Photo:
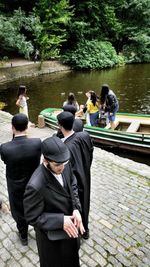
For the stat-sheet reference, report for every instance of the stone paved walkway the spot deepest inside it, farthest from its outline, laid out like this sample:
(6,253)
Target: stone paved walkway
(119,215)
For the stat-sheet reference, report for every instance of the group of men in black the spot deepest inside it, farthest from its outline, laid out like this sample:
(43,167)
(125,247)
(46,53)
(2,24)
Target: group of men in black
(52,192)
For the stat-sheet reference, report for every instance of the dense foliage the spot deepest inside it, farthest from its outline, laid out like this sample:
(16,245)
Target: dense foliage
(53,17)
(85,34)
(12,37)
(93,55)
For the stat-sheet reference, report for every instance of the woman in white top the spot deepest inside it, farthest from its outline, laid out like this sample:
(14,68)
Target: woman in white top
(22,100)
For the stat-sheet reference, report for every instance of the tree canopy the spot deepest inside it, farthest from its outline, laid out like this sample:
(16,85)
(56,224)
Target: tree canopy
(82,33)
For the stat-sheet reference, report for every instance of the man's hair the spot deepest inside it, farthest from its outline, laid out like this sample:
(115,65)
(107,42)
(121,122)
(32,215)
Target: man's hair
(20,122)
(66,120)
(70,108)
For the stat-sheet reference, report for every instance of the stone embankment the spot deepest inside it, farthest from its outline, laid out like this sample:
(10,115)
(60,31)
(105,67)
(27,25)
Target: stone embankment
(119,213)
(19,68)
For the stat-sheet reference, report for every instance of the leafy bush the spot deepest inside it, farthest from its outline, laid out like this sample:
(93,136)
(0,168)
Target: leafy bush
(139,50)
(92,55)
(11,36)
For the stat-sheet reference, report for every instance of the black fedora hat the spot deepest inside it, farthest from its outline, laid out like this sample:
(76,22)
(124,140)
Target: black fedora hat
(54,149)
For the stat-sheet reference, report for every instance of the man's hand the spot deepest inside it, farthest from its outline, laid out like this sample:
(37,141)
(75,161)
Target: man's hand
(78,221)
(69,226)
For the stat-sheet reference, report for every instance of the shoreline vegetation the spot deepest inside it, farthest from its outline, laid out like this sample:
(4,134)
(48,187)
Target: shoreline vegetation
(17,68)
(83,34)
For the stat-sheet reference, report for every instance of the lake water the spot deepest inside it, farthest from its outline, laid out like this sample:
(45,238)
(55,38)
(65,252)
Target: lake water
(131,83)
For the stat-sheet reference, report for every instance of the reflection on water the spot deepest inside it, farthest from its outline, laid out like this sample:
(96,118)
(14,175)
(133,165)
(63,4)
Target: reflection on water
(131,84)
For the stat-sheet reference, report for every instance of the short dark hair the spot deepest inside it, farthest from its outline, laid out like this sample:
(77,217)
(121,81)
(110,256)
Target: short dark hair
(66,120)
(20,122)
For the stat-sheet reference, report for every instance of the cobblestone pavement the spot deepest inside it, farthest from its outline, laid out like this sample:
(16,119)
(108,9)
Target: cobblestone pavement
(119,215)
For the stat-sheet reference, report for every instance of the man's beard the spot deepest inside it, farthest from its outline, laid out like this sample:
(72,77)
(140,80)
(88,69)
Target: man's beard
(49,167)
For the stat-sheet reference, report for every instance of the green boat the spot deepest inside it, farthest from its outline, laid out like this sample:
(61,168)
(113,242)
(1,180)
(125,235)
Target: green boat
(132,131)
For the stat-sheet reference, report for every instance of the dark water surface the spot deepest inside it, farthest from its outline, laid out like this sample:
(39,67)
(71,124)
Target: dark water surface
(131,83)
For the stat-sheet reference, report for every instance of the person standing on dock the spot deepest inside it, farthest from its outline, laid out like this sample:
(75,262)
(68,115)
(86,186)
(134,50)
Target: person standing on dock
(81,150)
(22,100)
(21,156)
(52,206)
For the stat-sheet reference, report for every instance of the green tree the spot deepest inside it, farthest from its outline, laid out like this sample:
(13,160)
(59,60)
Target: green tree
(94,20)
(55,26)
(124,23)
(51,31)
(12,37)
(135,35)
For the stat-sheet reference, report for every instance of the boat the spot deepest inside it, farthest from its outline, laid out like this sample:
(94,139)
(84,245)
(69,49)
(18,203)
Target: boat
(132,131)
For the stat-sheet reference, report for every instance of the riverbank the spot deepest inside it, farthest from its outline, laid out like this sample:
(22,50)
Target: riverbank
(18,68)
(119,212)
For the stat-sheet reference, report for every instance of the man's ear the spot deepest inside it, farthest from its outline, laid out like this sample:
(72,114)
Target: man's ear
(60,127)
(13,129)
(45,160)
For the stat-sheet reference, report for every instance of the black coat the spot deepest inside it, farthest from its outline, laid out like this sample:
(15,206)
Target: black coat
(22,157)
(78,125)
(45,204)
(111,102)
(81,149)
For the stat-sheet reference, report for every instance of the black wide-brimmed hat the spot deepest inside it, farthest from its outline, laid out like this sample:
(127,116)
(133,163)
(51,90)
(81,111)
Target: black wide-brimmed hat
(54,149)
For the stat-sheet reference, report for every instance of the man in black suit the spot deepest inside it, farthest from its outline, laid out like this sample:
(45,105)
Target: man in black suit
(52,206)
(81,150)
(22,157)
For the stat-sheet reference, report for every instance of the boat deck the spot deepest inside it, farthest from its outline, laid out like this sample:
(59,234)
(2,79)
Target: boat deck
(133,124)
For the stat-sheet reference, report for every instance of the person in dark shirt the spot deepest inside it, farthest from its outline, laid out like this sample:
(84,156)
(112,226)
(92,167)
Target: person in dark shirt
(52,206)
(81,150)
(109,104)
(21,156)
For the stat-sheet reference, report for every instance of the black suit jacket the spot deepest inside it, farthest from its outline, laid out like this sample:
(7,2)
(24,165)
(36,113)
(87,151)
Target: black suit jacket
(45,204)
(22,157)
(46,201)
(81,150)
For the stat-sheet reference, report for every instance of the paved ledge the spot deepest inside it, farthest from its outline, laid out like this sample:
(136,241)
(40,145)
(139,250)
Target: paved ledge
(19,68)
(127,164)
(119,214)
